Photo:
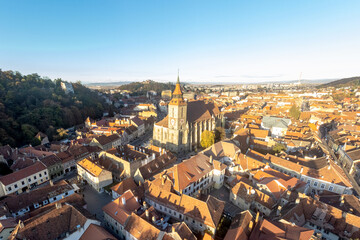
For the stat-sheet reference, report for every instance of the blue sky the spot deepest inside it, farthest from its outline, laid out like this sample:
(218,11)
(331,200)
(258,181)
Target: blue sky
(217,41)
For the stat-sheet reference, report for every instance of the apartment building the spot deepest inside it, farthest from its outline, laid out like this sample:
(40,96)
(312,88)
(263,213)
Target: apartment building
(23,179)
(94,174)
(247,197)
(130,158)
(198,215)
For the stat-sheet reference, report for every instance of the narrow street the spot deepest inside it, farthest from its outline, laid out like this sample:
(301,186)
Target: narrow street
(143,140)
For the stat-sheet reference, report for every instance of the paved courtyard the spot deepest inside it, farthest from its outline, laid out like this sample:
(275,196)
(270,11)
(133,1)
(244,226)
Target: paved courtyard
(95,201)
(224,194)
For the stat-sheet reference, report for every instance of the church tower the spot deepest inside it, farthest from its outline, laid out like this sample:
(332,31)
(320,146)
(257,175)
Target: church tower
(177,110)
(177,121)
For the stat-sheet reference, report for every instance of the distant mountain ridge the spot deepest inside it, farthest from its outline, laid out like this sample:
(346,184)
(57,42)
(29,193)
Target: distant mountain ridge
(140,88)
(107,83)
(344,82)
(303,81)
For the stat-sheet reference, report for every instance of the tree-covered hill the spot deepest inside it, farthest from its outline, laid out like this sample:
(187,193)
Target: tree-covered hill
(30,103)
(140,88)
(345,82)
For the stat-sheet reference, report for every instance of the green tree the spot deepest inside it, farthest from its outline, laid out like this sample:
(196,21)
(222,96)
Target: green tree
(35,142)
(30,103)
(279,148)
(207,139)
(29,132)
(4,169)
(219,134)
(295,112)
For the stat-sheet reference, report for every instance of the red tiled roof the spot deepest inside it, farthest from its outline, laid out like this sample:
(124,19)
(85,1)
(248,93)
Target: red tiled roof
(119,211)
(95,232)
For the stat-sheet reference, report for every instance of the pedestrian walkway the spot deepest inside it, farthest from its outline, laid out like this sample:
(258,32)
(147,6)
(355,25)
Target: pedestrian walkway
(96,201)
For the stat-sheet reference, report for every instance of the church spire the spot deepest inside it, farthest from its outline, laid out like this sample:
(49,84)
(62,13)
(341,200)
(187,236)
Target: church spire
(177,96)
(178,79)
(177,92)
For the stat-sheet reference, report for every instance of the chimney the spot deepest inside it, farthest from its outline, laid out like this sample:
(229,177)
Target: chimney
(288,194)
(342,202)
(153,219)
(251,225)
(58,205)
(51,183)
(297,201)
(257,217)
(162,179)
(136,199)
(21,224)
(302,169)
(145,205)
(123,200)
(211,159)
(147,213)
(278,210)
(344,214)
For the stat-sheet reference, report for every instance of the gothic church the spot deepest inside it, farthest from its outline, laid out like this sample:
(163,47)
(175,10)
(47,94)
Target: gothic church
(180,130)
